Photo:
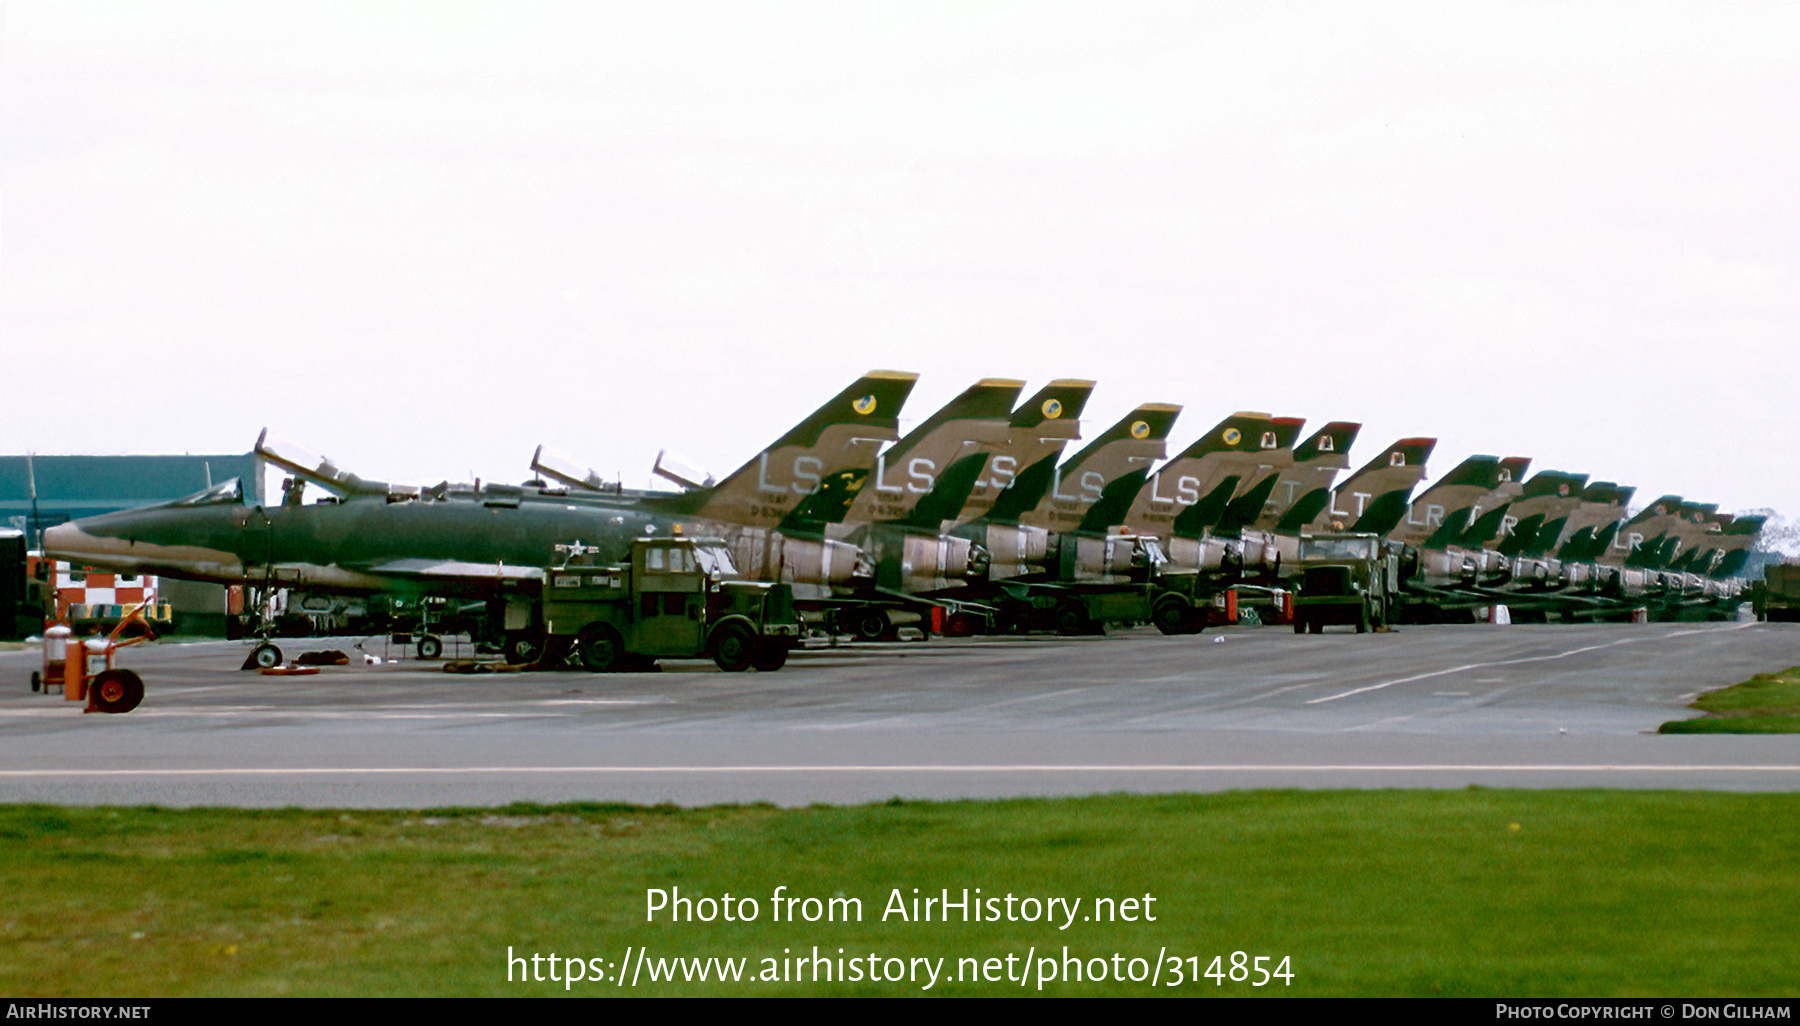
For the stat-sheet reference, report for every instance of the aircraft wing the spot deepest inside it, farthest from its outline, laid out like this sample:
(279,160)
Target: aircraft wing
(427,569)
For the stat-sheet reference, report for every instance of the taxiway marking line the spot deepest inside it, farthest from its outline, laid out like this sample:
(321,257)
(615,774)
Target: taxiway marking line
(1038,768)
(1514,662)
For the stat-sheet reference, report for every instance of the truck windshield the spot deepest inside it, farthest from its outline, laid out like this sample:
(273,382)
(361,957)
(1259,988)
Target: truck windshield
(1338,548)
(715,560)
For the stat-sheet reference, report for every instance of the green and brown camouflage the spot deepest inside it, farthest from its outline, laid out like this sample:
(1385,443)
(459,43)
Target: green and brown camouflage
(1251,499)
(1374,499)
(921,482)
(1126,449)
(1037,433)
(1693,533)
(1738,538)
(1303,489)
(1705,556)
(981,434)
(1593,524)
(463,541)
(1538,513)
(1639,544)
(1016,531)
(1442,510)
(448,541)
(840,438)
(1197,484)
(1488,515)
(1452,556)
(974,423)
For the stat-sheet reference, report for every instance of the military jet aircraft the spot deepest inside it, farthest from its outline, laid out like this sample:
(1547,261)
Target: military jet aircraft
(473,542)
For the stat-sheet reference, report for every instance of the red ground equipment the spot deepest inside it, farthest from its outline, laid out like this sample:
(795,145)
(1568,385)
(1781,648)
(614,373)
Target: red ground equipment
(67,659)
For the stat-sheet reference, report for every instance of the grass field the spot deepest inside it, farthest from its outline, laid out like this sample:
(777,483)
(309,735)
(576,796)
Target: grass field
(1768,703)
(1477,892)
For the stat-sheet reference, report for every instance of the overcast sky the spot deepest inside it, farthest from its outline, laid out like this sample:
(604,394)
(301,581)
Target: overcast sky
(424,238)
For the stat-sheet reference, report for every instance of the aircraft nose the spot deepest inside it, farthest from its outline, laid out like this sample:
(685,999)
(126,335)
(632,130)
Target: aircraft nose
(72,544)
(63,541)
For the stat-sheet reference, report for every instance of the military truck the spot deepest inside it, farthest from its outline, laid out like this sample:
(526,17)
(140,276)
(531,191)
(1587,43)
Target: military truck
(1345,578)
(1779,596)
(676,598)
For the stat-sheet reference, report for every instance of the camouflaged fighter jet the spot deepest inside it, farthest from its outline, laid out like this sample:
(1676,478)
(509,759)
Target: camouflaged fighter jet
(887,518)
(890,515)
(1373,500)
(1038,431)
(1593,524)
(919,561)
(1255,497)
(975,442)
(458,541)
(1737,537)
(1518,560)
(1188,495)
(1052,518)
(1439,570)
(1303,488)
(1670,557)
(1191,490)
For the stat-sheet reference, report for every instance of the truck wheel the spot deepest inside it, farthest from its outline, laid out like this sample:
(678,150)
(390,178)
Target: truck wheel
(1315,627)
(117,691)
(732,645)
(871,625)
(599,648)
(769,655)
(1299,626)
(429,646)
(37,682)
(266,656)
(524,649)
(1362,620)
(1072,618)
(1171,616)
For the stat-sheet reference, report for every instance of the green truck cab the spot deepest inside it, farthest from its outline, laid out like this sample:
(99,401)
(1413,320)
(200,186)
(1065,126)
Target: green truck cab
(1345,578)
(1778,597)
(677,599)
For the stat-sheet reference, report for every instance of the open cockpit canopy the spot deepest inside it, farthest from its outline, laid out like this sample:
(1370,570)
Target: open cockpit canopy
(225,493)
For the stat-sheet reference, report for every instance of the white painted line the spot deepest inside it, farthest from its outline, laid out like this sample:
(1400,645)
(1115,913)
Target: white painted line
(1529,659)
(605,701)
(1504,662)
(1030,768)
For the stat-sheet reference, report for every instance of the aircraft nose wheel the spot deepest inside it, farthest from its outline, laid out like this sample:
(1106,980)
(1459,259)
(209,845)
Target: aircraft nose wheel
(263,657)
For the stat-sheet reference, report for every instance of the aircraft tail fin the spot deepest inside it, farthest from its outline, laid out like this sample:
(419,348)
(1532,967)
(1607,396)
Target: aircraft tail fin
(841,437)
(1055,409)
(973,423)
(1374,498)
(1335,437)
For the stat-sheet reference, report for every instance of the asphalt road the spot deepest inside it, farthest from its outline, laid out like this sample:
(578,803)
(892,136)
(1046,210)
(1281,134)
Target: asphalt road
(1519,706)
